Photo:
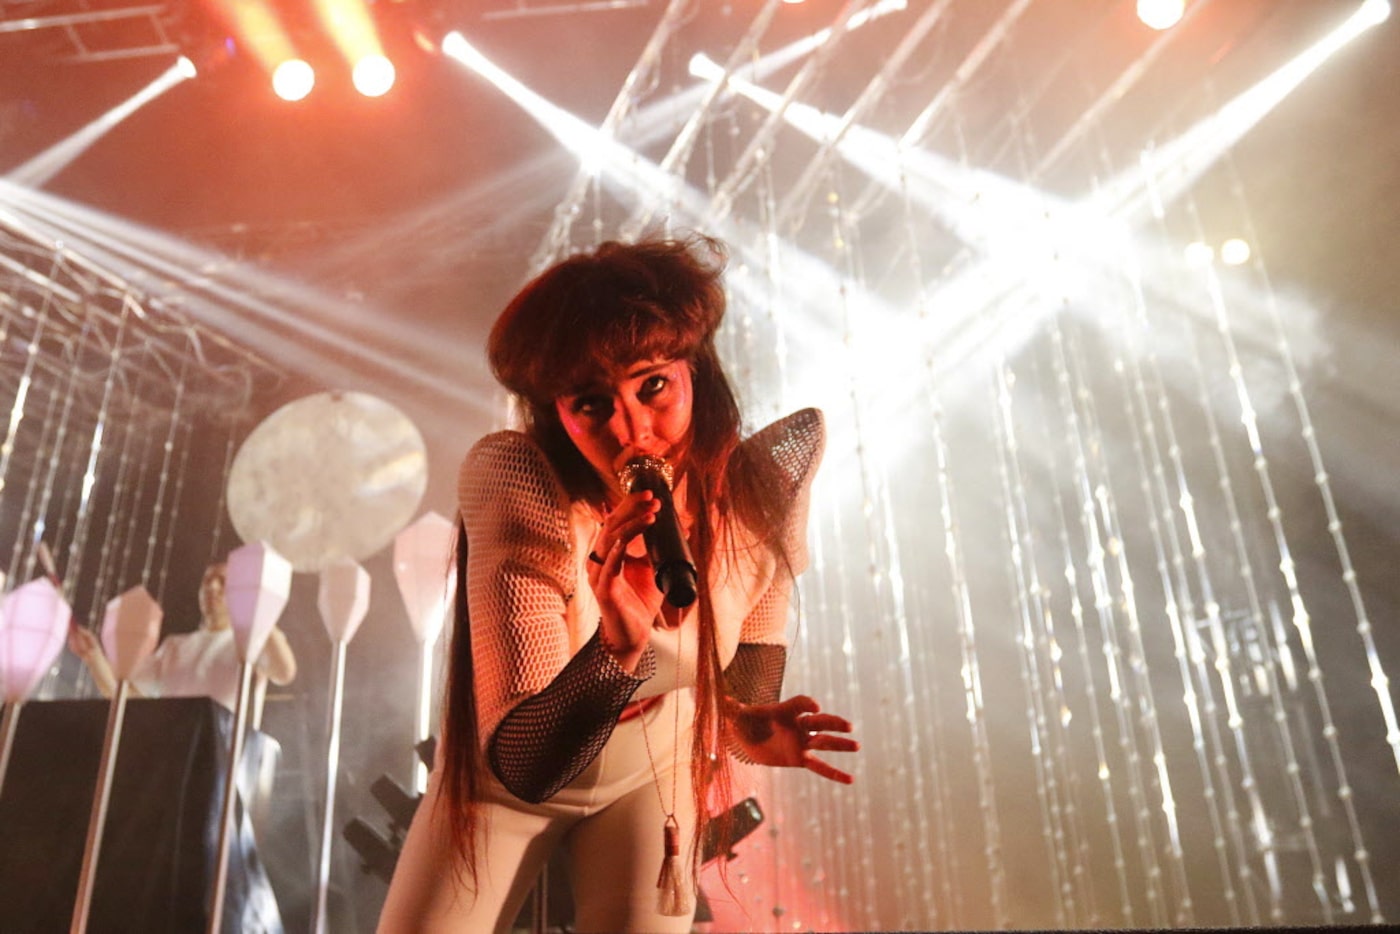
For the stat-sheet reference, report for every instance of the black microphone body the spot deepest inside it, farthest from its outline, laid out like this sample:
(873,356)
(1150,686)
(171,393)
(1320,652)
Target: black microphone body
(666,546)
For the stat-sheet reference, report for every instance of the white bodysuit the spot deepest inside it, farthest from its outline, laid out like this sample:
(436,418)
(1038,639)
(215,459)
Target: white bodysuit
(563,769)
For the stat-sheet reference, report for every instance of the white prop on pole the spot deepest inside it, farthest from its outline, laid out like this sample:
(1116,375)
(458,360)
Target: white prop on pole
(130,629)
(258,582)
(36,625)
(34,622)
(343,600)
(426,577)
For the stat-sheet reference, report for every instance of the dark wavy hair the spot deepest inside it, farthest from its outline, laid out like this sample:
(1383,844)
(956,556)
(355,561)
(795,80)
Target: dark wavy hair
(592,312)
(658,299)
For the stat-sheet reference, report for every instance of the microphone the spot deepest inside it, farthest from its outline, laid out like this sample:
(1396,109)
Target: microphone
(666,546)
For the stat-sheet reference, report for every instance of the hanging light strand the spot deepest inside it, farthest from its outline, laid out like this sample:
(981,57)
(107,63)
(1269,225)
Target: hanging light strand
(1380,681)
(1146,703)
(946,860)
(1097,732)
(82,513)
(1119,689)
(1302,620)
(1025,598)
(123,489)
(1179,606)
(179,438)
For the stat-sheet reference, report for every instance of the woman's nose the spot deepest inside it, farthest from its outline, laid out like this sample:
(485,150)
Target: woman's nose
(633,424)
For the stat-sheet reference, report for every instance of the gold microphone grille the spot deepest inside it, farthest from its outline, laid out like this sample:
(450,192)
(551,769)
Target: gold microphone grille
(645,463)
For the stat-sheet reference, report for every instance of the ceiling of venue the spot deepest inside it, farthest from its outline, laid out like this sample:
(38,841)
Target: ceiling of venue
(927,205)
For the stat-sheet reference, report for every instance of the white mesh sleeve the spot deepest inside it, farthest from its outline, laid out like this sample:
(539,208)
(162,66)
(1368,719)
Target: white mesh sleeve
(519,573)
(543,716)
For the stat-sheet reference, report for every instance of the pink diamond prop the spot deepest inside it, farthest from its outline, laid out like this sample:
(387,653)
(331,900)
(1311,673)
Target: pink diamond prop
(343,598)
(130,629)
(425,574)
(33,627)
(258,582)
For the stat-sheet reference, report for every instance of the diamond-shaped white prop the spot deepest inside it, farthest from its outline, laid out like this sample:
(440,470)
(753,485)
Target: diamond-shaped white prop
(343,598)
(424,571)
(258,582)
(130,629)
(33,627)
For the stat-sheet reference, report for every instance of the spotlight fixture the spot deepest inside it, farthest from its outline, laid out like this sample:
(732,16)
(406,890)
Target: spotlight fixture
(1235,252)
(293,79)
(1198,255)
(378,855)
(373,75)
(1376,11)
(398,803)
(1160,14)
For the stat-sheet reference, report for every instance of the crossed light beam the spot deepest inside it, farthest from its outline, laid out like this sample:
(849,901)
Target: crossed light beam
(1034,253)
(622,169)
(1004,222)
(1028,235)
(1022,234)
(38,170)
(508,198)
(336,341)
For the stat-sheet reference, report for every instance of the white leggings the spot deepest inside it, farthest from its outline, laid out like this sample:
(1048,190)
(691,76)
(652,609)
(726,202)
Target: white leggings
(609,819)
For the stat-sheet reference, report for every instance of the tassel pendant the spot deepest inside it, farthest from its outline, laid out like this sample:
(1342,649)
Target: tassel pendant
(673,896)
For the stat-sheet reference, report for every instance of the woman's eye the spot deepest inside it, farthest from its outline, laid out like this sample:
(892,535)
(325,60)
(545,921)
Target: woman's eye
(592,406)
(654,384)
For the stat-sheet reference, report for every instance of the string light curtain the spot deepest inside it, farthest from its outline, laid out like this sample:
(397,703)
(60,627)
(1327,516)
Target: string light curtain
(1079,571)
(111,400)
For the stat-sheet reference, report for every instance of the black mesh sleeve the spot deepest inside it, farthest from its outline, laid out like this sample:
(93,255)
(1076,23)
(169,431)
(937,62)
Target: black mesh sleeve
(755,676)
(549,738)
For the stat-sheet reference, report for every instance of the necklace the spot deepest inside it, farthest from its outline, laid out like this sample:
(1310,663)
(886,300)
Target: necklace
(673,897)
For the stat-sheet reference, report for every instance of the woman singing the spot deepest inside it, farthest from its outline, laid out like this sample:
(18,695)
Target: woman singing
(583,707)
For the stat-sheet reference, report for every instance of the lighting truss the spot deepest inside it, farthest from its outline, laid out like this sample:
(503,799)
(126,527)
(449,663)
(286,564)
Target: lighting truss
(522,8)
(67,321)
(81,31)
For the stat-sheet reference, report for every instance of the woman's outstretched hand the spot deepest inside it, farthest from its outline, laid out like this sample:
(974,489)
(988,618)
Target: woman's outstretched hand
(788,734)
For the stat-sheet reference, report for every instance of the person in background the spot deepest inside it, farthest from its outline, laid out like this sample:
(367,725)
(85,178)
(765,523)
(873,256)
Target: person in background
(205,663)
(201,663)
(582,708)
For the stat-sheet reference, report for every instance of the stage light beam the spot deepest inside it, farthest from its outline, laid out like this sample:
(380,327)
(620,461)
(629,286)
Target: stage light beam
(257,27)
(1169,170)
(351,27)
(38,170)
(598,153)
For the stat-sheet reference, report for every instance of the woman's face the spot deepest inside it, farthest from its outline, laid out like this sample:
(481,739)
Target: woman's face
(641,408)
